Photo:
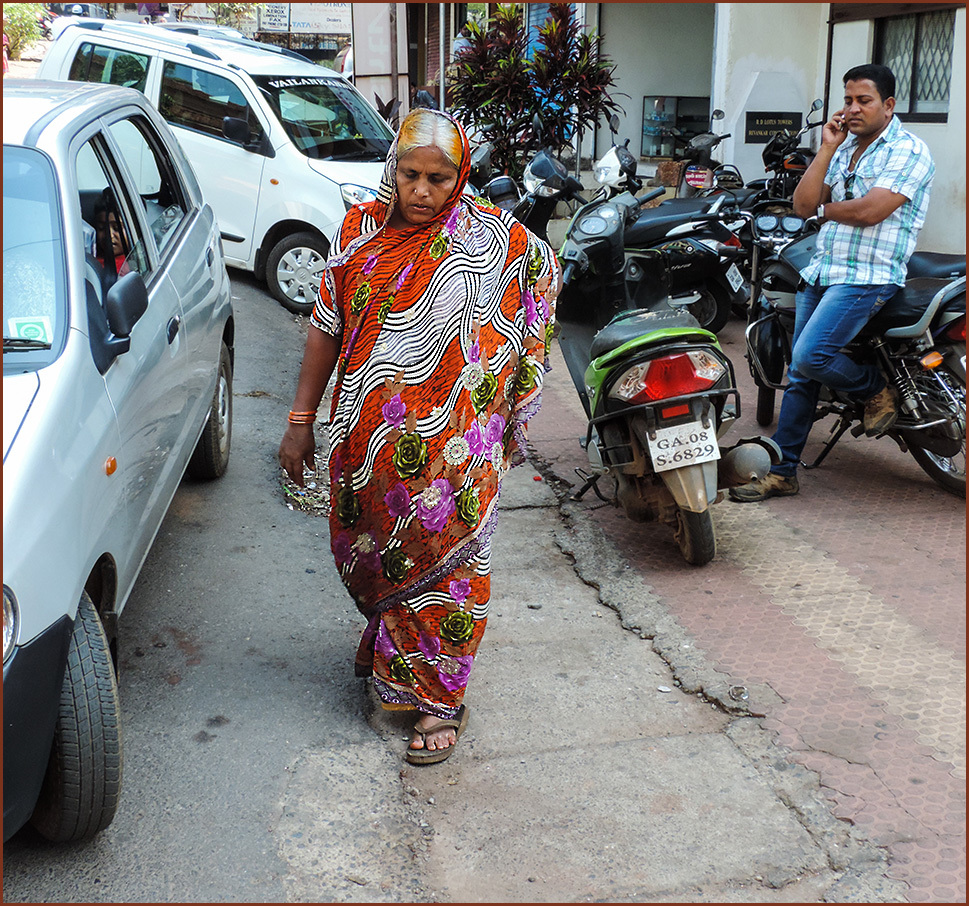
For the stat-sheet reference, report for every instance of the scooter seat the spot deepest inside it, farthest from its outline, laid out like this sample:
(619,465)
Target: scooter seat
(654,223)
(904,312)
(935,264)
(631,325)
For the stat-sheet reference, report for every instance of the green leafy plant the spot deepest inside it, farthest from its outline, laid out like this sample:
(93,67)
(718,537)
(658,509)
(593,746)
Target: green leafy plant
(21,27)
(233,14)
(497,90)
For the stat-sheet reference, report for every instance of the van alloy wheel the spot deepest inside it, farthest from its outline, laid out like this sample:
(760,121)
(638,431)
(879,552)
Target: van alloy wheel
(294,270)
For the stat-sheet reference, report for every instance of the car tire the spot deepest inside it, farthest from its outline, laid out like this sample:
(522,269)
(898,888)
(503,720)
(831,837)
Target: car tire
(294,270)
(211,455)
(81,789)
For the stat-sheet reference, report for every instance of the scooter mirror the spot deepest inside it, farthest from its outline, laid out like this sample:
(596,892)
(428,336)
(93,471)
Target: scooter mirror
(717,114)
(614,123)
(817,105)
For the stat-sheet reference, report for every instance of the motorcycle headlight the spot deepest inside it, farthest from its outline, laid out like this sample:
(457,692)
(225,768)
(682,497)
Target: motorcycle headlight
(353,194)
(535,186)
(10,617)
(607,175)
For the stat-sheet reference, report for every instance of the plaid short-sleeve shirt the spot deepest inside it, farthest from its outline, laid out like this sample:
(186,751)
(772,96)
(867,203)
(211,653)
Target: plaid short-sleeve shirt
(874,255)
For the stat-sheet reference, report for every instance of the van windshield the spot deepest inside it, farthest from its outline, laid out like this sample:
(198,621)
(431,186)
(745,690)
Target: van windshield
(326,118)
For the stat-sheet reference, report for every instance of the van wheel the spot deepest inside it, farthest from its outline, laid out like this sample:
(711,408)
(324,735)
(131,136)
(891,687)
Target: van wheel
(294,270)
(211,455)
(79,796)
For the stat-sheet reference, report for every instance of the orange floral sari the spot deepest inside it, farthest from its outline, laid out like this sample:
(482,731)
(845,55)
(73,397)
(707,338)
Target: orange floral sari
(444,328)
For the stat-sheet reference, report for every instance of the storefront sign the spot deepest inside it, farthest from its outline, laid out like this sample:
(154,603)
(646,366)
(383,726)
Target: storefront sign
(273,16)
(303,18)
(761,126)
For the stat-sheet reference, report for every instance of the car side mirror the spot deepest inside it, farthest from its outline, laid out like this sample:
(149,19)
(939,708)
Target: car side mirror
(125,303)
(235,129)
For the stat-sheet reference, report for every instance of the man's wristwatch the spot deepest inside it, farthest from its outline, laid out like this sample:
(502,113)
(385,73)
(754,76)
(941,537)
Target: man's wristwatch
(820,212)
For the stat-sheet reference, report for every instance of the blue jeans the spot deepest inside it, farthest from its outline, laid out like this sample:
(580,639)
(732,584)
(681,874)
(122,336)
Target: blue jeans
(826,319)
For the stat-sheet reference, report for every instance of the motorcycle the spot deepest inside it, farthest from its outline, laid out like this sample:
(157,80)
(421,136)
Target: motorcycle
(657,389)
(703,250)
(786,159)
(698,156)
(918,339)
(501,190)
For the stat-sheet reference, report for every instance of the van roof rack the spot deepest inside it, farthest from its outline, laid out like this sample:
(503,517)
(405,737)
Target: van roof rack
(167,37)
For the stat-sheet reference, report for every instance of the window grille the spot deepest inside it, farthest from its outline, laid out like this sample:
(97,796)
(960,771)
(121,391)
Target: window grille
(918,49)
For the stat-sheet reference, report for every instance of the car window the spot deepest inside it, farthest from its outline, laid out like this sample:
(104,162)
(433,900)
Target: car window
(156,180)
(34,265)
(112,237)
(96,63)
(198,99)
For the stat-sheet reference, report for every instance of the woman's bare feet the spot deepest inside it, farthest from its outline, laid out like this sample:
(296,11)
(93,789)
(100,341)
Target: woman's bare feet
(443,738)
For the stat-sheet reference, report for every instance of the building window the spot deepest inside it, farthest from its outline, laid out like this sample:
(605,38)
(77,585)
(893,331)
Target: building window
(918,49)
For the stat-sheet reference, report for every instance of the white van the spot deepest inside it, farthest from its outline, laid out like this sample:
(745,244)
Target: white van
(282,147)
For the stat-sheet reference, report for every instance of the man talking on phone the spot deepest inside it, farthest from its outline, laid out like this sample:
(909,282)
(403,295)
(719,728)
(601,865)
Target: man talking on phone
(869,188)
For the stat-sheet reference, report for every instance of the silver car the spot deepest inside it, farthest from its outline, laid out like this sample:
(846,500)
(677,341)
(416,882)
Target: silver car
(117,379)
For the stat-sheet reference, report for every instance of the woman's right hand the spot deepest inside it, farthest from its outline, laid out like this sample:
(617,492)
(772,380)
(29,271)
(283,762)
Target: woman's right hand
(297,447)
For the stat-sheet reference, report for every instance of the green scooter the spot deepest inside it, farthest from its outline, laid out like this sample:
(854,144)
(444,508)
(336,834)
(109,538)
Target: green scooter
(658,390)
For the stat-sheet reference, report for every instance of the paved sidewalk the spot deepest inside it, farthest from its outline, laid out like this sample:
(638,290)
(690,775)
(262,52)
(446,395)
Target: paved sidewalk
(587,772)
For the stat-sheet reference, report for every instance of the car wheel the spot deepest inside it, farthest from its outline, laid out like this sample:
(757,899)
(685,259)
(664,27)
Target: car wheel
(79,796)
(294,270)
(211,455)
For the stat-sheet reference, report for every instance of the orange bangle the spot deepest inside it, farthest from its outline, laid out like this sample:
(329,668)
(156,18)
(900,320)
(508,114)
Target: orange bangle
(302,418)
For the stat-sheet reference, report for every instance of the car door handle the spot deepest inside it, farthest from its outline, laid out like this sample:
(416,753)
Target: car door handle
(209,256)
(173,326)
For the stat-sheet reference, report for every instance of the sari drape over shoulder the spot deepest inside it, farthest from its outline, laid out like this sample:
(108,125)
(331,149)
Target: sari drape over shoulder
(445,330)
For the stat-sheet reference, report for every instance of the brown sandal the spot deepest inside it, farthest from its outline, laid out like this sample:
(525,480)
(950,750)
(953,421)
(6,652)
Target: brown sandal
(433,756)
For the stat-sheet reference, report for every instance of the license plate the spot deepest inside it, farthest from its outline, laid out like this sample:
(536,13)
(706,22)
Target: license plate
(734,277)
(682,445)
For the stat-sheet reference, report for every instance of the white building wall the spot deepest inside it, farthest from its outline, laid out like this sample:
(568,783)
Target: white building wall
(658,49)
(769,57)
(773,57)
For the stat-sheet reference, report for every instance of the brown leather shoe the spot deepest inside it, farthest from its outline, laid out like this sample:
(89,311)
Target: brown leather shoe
(881,411)
(771,485)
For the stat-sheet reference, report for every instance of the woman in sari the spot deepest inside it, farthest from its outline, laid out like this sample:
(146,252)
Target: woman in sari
(435,311)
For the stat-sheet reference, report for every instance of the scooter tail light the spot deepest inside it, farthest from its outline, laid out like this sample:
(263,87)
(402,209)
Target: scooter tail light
(667,377)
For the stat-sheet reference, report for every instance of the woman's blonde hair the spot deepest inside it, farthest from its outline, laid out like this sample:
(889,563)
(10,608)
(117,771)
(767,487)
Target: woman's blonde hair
(424,127)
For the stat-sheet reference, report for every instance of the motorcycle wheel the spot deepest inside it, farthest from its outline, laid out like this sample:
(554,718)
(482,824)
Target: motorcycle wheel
(947,472)
(695,537)
(713,308)
(765,406)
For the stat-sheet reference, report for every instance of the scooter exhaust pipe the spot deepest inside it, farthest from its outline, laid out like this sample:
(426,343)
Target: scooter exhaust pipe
(750,459)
